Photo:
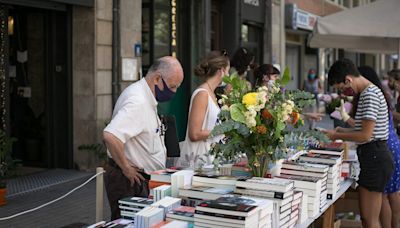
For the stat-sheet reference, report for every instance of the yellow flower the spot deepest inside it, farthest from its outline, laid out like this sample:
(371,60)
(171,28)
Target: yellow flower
(249,99)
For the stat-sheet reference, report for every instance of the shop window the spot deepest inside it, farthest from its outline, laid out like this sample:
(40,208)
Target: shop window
(156,31)
(252,39)
(216,27)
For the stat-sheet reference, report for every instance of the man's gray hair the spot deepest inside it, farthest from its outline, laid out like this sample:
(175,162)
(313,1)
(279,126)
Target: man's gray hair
(161,65)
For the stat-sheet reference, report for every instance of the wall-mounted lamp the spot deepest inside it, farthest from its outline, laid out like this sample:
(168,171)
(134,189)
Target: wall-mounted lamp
(10,25)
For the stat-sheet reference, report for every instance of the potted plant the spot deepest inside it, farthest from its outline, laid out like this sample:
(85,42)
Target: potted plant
(7,164)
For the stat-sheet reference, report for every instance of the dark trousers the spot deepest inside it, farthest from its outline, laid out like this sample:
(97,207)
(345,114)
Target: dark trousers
(118,187)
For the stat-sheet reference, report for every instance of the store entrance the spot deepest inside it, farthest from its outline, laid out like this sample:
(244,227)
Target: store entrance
(39,87)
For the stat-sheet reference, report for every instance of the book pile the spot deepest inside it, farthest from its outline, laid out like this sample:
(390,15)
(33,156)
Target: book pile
(129,206)
(312,187)
(214,180)
(161,192)
(203,192)
(159,178)
(234,211)
(149,217)
(182,213)
(173,224)
(279,191)
(333,158)
(168,204)
(179,180)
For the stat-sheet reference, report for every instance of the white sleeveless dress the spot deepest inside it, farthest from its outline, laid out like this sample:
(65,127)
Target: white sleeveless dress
(195,154)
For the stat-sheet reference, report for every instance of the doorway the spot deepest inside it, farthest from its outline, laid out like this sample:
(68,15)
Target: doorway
(40,86)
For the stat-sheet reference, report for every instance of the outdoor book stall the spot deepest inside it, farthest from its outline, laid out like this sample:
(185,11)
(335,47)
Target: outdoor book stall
(306,189)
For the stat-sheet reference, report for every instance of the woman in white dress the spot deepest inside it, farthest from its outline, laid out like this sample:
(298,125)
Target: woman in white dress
(203,111)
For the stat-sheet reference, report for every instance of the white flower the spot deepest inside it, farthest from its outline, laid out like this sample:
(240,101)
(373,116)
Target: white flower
(225,108)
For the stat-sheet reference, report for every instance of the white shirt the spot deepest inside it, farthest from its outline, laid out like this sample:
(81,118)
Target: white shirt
(135,122)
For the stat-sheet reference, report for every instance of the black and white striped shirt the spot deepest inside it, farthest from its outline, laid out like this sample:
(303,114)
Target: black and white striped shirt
(372,106)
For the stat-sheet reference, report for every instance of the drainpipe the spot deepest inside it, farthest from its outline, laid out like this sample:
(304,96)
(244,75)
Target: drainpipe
(115,51)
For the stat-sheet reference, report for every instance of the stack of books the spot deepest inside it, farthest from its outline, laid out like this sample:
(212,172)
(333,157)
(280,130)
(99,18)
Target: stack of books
(159,178)
(214,180)
(148,217)
(333,158)
(129,206)
(279,191)
(182,213)
(312,187)
(168,204)
(179,180)
(173,224)
(203,192)
(161,192)
(234,211)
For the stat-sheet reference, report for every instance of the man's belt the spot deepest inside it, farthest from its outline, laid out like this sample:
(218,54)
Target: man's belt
(112,163)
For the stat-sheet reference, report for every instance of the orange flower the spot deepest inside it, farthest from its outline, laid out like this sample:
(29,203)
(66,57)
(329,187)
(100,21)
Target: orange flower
(266,114)
(261,129)
(295,117)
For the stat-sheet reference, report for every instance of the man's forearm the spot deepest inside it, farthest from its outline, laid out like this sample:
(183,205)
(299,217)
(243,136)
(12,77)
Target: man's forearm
(116,148)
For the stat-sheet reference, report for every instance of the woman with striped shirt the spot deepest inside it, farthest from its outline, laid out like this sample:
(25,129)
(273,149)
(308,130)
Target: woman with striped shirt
(370,133)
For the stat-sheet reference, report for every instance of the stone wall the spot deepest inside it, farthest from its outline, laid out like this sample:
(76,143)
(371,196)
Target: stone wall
(83,92)
(92,70)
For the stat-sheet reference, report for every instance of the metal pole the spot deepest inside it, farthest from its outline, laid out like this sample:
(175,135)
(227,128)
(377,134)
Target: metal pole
(99,194)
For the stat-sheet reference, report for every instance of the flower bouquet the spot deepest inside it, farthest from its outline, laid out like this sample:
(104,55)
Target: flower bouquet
(258,122)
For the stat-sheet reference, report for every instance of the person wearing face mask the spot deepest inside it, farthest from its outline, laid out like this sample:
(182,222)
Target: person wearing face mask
(266,74)
(135,135)
(370,132)
(203,111)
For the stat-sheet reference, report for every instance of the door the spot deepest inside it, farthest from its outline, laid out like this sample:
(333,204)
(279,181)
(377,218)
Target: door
(292,61)
(40,87)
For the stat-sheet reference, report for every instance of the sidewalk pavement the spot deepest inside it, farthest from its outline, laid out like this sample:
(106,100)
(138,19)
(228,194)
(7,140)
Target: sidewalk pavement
(76,210)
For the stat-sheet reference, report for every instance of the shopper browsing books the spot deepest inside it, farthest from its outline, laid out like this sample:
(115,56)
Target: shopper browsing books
(390,212)
(135,135)
(203,111)
(370,133)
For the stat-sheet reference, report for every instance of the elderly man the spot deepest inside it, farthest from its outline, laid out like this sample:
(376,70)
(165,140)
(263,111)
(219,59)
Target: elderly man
(134,137)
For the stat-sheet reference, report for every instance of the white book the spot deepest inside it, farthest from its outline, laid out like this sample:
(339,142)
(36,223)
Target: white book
(321,158)
(303,173)
(305,166)
(338,152)
(213,224)
(266,194)
(176,224)
(284,220)
(303,182)
(179,180)
(266,184)
(304,208)
(282,215)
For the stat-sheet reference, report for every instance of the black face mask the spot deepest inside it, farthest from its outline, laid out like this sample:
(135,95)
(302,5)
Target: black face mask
(164,95)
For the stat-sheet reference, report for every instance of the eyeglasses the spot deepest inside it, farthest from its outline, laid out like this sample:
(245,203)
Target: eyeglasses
(163,126)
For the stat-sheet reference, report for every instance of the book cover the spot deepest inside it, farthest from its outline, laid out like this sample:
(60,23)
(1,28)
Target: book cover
(305,166)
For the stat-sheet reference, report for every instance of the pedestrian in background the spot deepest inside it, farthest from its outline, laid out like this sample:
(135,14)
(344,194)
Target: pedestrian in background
(203,111)
(242,63)
(266,74)
(134,137)
(371,131)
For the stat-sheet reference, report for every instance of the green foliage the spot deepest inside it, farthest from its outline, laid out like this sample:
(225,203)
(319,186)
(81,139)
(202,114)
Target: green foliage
(331,107)
(285,77)
(7,163)
(97,148)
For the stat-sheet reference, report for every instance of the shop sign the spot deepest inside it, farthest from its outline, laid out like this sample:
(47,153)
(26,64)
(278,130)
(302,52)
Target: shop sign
(252,2)
(173,28)
(296,18)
